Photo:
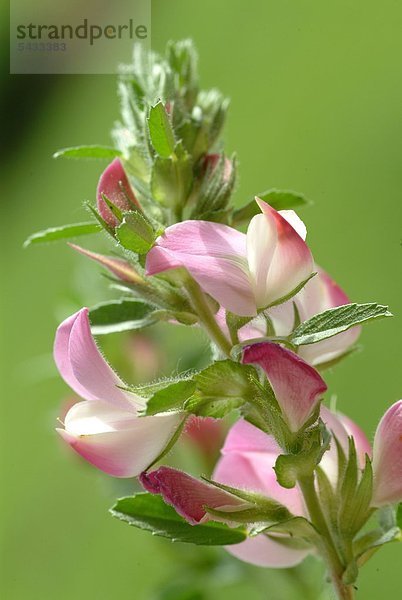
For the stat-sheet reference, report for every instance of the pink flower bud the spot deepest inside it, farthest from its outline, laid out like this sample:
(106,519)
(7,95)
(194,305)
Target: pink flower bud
(114,184)
(297,386)
(189,496)
(387,458)
(118,266)
(211,161)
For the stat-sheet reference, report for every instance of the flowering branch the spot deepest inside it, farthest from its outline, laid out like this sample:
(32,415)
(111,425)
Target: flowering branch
(293,478)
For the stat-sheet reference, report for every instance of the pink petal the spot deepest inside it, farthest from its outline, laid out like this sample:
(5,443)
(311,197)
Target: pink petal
(362,444)
(244,437)
(387,457)
(342,427)
(214,254)
(264,552)
(254,471)
(115,185)
(83,367)
(298,387)
(289,258)
(247,463)
(206,434)
(188,495)
(248,458)
(116,441)
(119,267)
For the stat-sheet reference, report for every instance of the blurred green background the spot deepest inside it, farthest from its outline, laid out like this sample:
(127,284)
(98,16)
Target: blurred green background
(316,93)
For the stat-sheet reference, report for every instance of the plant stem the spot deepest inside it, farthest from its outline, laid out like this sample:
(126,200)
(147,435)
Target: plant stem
(329,550)
(201,306)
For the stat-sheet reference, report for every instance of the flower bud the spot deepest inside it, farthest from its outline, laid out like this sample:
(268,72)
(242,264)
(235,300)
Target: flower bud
(211,162)
(114,184)
(387,458)
(118,266)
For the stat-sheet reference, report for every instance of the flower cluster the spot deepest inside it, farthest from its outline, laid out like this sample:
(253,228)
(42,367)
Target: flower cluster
(293,477)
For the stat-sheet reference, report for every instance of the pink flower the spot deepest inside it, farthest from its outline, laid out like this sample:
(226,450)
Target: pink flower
(297,386)
(319,294)
(247,460)
(243,273)
(105,428)
(115,185)
(387,458)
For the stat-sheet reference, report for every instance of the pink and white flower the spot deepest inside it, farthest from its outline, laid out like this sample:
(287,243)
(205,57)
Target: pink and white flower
(105,428)
(243,272)
(319,294)
(247,463)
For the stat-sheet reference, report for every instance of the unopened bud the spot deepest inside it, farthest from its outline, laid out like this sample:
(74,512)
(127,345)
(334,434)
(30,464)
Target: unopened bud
(114,184)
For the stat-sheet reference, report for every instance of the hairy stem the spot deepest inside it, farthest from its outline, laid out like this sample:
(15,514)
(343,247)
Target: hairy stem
(201,306)
(329,550)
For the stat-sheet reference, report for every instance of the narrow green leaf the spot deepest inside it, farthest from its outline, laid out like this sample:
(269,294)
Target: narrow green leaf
(64,232)
(120,315)
(150,513)
(335,320)
(348,488)
(103,152)
(101,221)
(160,131)
(327,496)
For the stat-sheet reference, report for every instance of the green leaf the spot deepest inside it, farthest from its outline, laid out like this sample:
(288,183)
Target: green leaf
(284,199)
(160,131)
(150,513)
(135,233)
(278,199)
(121,315)
(335,320)
(172,396)
(220,388)
(64,232)
(105,152)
